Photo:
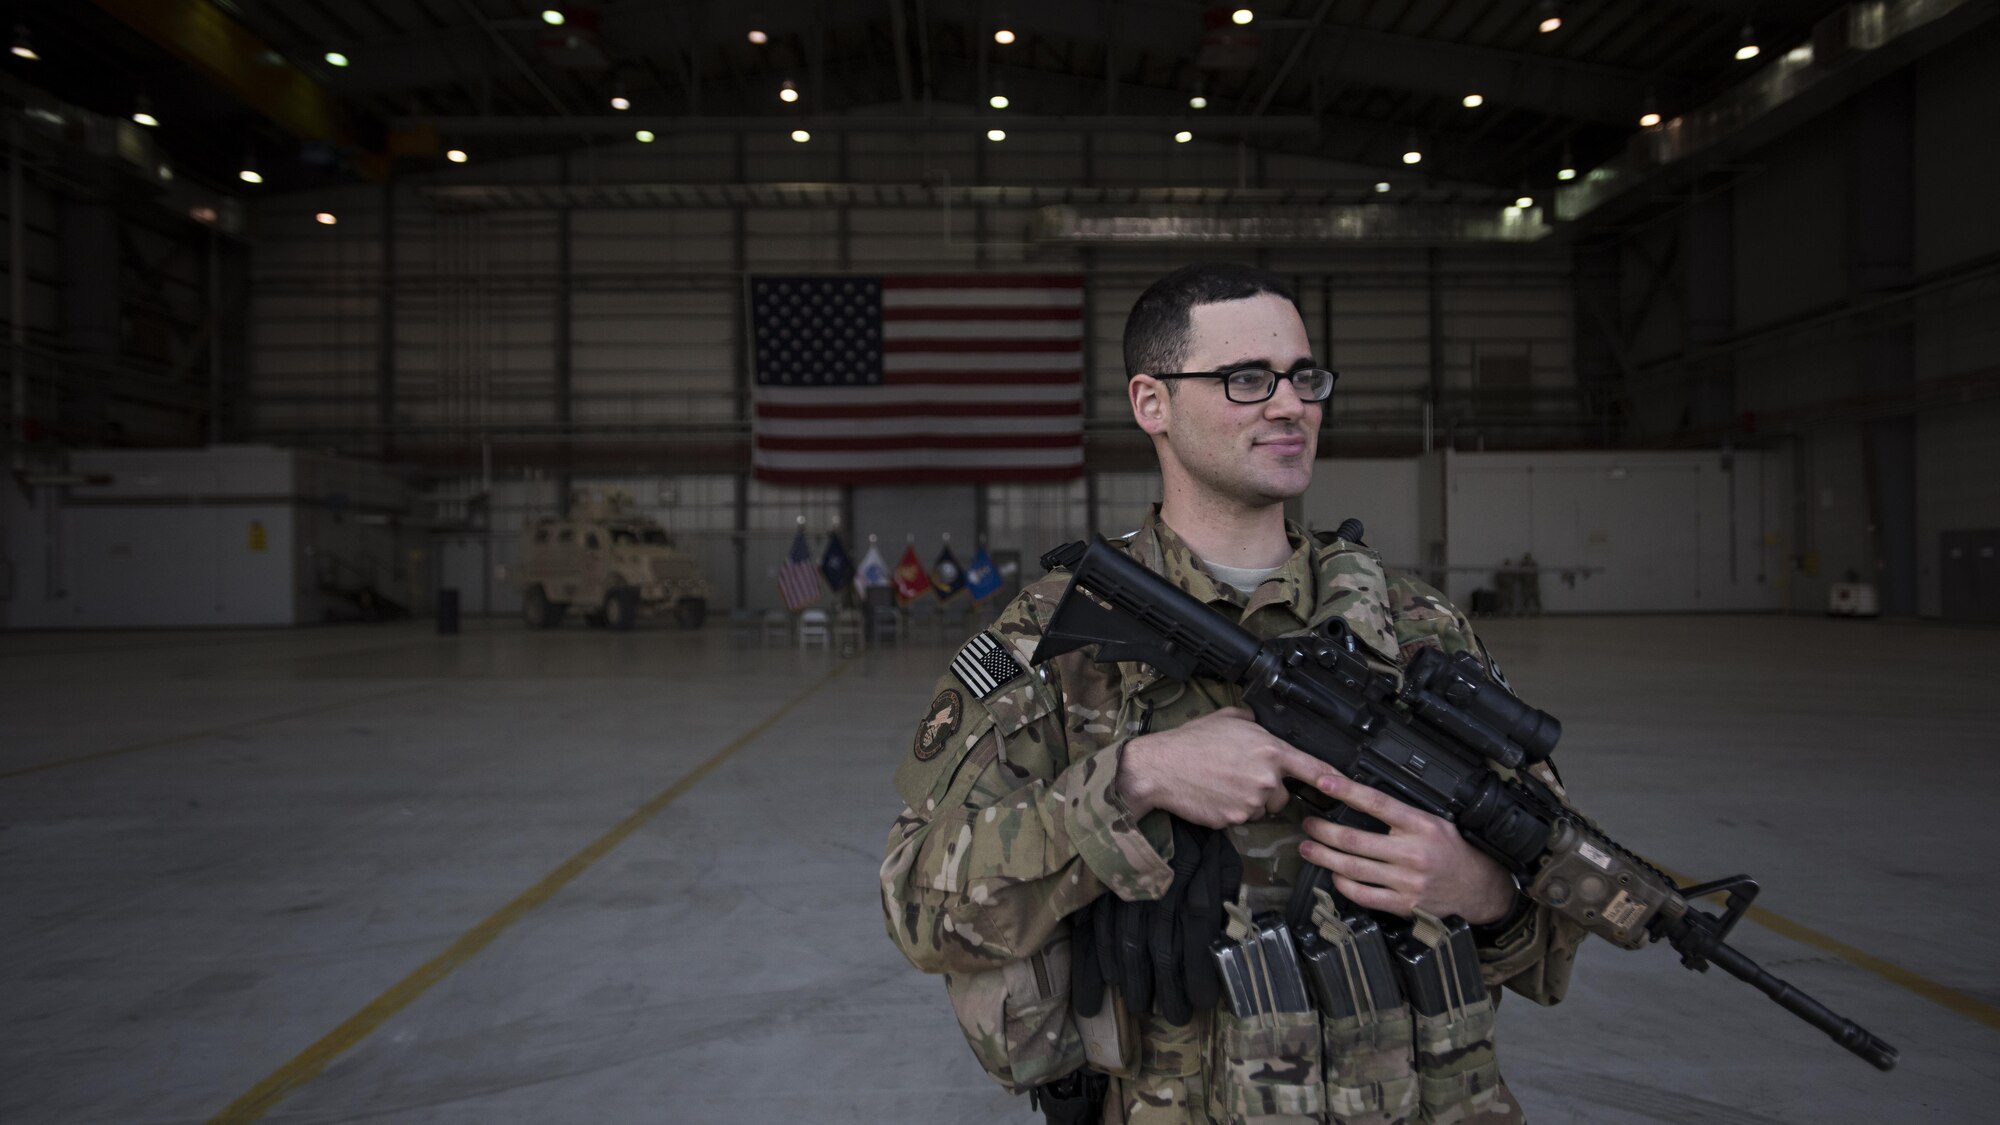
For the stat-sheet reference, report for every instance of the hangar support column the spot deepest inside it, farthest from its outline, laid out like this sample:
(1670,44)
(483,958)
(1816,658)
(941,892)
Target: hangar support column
(385,334)
(565,399)
(1882,238)
(1598,354)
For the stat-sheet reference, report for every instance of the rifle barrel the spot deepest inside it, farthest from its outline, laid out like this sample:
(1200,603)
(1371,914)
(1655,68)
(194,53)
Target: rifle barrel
(1843,1031)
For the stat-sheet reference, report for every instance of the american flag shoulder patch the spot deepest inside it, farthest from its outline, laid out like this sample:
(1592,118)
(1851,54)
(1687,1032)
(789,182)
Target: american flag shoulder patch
(984,664)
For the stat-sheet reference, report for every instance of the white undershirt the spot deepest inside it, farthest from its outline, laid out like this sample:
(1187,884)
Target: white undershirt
(1245,579)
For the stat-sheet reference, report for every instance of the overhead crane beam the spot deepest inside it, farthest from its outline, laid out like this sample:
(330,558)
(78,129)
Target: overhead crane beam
(201,34)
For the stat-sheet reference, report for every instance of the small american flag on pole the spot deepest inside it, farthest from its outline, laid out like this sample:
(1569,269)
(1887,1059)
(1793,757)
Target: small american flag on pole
(798,579)
(893,380)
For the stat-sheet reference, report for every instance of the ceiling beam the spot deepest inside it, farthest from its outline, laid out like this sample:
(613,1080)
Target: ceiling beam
(507,50)
(625,123)
(1292,58)
(244,66)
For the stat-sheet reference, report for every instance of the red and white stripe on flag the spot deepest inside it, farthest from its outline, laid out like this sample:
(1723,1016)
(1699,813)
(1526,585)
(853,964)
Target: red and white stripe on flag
(798,584)
(978,377)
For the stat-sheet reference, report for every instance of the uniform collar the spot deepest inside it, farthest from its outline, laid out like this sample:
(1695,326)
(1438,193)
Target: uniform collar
(1281,603)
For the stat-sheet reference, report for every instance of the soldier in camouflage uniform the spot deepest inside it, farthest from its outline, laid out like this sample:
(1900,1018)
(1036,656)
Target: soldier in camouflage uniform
(1029,793)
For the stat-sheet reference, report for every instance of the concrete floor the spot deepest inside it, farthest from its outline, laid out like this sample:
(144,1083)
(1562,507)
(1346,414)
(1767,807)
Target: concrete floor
(244,839)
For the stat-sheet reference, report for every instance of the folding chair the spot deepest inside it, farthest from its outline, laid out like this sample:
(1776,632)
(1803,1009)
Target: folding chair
(813,630)
(777,627)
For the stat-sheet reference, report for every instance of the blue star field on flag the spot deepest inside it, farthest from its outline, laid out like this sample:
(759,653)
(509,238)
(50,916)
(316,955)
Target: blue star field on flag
(817,331)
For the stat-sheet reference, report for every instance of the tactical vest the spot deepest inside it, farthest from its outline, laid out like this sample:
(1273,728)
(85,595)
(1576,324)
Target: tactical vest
(1375,1067)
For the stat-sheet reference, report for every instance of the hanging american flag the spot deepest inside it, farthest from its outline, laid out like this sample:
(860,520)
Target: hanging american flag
(894,380)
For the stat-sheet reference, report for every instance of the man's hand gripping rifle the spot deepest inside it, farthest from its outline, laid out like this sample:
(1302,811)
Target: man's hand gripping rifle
(1428,742)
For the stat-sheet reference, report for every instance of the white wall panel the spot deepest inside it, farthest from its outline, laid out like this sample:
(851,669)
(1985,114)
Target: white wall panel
(1672,532)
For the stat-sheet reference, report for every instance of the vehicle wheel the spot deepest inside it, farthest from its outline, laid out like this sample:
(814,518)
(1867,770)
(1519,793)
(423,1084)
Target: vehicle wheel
(691,612)
(621,608)
(536,608)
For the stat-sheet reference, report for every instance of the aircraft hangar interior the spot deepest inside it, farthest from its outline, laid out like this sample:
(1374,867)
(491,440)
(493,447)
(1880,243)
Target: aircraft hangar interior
(1153,561)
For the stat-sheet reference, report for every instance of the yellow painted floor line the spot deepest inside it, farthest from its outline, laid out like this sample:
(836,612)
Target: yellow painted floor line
(308,1063)
(1942,995)
(172,740)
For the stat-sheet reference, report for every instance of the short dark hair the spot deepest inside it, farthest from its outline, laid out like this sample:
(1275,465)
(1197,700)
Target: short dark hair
(1156,331)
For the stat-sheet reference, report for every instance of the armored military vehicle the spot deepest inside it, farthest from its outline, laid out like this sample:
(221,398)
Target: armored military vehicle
(610,563)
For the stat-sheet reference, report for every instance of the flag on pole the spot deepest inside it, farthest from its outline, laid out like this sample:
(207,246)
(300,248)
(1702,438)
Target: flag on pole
(982,578)
(946,577)
(891,380)
(911,581)
(835,564)
(798,579)
(873,573)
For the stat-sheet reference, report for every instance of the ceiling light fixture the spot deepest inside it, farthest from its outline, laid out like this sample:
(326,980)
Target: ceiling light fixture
(552,17)
(456,156)
(1242,16)
(1746,44)
(24,48)
(997,101)
(1381,186)
(1474,101)
(335,58)
(788,91)
(1413,154)
(1549,17)
(1568,169)
(1197,102)
(758,37)
(1183,137)
(1649,112)
(996,134)
(801,136)
(1524,202)
(326,218)
(620,101)
(1003,36)
(249,174)
(644,136)
(142,111)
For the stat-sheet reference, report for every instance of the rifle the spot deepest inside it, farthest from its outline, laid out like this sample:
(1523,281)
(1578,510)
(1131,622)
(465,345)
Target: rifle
(1430,742)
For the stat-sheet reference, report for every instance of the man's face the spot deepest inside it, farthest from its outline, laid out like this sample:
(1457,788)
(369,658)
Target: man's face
(1252,454)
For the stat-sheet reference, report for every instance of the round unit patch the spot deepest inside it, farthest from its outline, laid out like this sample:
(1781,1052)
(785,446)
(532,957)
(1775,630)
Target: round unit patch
(947,711)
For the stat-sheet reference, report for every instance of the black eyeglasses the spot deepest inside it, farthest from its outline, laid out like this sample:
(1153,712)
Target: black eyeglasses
(1256,384)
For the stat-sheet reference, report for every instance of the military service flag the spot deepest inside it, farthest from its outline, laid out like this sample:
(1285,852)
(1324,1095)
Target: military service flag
(798,579)
(835,564)
(911,581)
(946,577)
(873,572)
(891,380)
(982,578)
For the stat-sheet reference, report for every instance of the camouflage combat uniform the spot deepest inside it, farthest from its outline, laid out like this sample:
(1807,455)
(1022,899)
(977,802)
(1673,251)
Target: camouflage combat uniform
(1013,821)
